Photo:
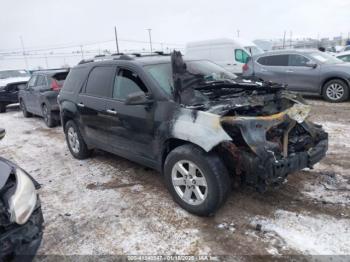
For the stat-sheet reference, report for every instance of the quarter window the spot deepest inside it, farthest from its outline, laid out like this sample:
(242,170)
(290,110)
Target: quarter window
(241,56)
(126,82)
(275,60)
(100,81)
(297,60)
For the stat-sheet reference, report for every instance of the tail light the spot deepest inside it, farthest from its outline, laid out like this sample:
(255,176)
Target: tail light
(245,67)
(55,86)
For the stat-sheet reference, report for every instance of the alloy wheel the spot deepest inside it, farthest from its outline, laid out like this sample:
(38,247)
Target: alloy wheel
(73,140)
(189,182)
(335,91)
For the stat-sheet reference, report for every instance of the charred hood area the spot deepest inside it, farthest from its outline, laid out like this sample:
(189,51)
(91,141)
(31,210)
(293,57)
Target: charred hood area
(231,97)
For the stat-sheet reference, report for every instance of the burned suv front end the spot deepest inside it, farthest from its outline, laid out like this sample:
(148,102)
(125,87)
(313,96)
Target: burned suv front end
(269,146)
(21,218)
(261,130)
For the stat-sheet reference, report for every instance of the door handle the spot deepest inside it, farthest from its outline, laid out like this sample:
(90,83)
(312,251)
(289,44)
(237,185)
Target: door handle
(289,71)
(111,111)
(81,104)
(263,70)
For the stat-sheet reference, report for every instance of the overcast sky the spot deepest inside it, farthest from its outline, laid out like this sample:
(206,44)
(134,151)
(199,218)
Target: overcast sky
(45,23)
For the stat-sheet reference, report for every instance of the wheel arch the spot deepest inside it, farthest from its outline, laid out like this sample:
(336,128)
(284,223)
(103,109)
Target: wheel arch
(327,79)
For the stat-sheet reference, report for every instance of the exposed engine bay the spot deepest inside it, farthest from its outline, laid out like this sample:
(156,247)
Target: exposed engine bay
(267,134)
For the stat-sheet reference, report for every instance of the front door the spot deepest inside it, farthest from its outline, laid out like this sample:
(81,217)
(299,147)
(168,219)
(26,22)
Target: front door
(300,76)
(131,126)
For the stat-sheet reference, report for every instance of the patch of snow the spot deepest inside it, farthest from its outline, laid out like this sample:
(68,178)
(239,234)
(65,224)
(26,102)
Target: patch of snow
(319,235)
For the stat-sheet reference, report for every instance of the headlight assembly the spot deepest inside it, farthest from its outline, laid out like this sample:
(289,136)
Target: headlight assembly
(22,202)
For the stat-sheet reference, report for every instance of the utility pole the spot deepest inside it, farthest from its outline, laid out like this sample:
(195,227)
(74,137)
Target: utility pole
(116,39)
(47,64)
(291,36)
(238,31)
(24,53)
(150,38)
(81,51)
(284,39)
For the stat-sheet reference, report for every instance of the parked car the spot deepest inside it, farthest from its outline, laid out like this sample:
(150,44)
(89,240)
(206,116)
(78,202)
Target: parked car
(9,94)
(195,122)
(40,95)
(345,56)
(9,82)
(304,71)
(345,48)
(228,53)
(21,218)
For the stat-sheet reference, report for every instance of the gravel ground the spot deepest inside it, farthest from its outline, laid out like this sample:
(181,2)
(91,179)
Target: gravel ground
(109,205)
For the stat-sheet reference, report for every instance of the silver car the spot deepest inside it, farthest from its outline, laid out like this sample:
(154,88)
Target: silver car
(307,71)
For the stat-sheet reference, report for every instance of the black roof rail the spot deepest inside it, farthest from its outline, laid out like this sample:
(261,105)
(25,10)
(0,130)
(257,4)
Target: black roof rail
(85,61)
(97,56)
(124,57)
(115,54)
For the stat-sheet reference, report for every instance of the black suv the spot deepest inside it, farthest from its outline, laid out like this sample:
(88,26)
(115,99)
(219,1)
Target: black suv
(40,95)
(195,122)
(9,94)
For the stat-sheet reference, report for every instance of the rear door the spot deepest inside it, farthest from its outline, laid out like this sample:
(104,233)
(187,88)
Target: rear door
(28,94)
(272,68)
(131,126)
(301,77)
(241,57)
(93,119)
(41,84)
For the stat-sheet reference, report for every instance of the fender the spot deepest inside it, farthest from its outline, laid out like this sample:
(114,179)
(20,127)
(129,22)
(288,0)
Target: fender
(201,128)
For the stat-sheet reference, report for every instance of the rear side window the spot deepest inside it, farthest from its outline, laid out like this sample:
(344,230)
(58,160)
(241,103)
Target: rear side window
(275,60)
(241,56)
(60,77)
(75,79)
(99,81)
(297,60)
(126,82)
(41,81)
(345,58)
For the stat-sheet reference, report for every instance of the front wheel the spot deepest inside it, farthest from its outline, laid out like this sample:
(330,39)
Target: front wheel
(197,180)
(75,141)
(335,91)
(24,109)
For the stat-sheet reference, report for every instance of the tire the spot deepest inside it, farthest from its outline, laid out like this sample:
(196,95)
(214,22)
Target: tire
(2,107)
(24,109)
(335,91)
(73,135)
(48,116)
(206,165)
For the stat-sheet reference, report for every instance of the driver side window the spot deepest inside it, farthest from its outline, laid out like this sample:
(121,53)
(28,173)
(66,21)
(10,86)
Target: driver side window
(32,81)
(127,82)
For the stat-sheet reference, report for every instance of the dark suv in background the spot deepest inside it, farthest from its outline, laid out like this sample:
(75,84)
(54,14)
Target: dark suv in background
(305,71)
(40,95)
(195,122)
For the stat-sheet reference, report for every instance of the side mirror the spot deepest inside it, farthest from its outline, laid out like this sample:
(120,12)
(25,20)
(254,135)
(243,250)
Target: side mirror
(311,64)
(138,98)
(2,133)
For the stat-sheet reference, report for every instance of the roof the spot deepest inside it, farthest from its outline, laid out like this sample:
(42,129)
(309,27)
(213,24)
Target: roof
(225,41)
(50,72)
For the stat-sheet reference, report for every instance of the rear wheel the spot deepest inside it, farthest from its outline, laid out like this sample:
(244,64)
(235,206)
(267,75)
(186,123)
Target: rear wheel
(335,91)
(75,141)
(197,180)
(48,116)
(24,109)
(2,107)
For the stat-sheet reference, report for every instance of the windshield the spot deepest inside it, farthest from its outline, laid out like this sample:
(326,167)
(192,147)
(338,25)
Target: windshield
(162,73)
(254,50)
(13,73)
(325,58)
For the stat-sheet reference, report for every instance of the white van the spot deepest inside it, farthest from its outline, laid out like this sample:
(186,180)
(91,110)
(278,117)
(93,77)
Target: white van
(229,53)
